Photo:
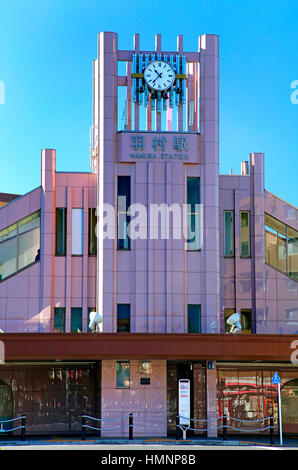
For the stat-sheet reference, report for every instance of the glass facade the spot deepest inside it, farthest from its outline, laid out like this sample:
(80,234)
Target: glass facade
(123,318)
(281,247)
(247,393)
(6,405)
(289,401)
(61,230)
(123,218)
(245,234)
(19,245)
(52,397)
(292,253)
(229,233)
(193,213)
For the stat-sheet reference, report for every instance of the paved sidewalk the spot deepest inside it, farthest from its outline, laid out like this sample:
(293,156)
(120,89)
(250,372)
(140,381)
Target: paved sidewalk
(202,441)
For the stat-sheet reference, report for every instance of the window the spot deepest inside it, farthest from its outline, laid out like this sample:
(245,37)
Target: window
(193,213)
(76,320)
(123,318)
(92,238)
(292,253)
(281,247)
(61,230)
(122,374)
(19,245)
(245,320)
(77,232)
(90,309)
(228,313)
(59,320)
(8,256)
(28,241)
(229,233)
(292,316)
(194,318)
(244,234)
(123,218)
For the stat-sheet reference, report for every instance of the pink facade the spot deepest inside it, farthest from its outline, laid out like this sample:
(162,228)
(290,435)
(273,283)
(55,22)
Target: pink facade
(250,283)
(149,402)
(157,278)
(29,297)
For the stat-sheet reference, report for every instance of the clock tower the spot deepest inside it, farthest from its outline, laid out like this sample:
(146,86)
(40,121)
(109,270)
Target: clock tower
(155,142)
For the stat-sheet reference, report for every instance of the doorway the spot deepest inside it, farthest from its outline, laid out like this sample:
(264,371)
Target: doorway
(6,405)
(289,405)
(175,372)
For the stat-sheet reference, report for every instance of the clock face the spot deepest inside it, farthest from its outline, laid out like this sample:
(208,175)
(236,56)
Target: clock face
(159,75)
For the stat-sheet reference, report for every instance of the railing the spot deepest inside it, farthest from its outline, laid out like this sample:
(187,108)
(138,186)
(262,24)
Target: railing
(84,425)
(22,427)
(224,426)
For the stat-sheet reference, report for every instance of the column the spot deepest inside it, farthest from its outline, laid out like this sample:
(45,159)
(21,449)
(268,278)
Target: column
(209,121)
(47,239)
(211,401)
(107,127)
(258,241)
(85,259)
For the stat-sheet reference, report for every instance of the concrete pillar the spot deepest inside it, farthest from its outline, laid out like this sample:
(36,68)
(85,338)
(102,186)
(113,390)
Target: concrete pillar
(209,123)
(85,260)
(258,240)
(68,259)
(211,401)
(107,130)
(47,239)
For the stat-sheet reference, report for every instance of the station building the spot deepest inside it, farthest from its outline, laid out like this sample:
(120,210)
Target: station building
(165,299)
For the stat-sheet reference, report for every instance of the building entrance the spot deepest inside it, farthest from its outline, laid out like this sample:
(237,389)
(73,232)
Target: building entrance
(52,396)
(175,372)
(289,404)
(6,405)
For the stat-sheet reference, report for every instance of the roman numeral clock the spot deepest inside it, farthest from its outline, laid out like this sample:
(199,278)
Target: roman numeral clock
(159,76)
(163,78)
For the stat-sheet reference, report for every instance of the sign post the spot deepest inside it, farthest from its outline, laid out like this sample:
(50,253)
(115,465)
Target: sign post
(276,381)
(184,404)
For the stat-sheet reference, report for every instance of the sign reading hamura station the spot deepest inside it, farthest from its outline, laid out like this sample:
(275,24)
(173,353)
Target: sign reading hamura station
(161,147)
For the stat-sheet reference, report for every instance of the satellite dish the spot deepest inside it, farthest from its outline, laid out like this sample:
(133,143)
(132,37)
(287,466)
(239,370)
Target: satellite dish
(95,323)
(234,321)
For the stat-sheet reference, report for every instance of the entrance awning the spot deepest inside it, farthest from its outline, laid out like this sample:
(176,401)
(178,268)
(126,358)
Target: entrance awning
(95,346)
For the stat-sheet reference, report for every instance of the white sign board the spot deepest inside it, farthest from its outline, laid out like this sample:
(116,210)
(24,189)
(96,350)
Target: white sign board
(184,401)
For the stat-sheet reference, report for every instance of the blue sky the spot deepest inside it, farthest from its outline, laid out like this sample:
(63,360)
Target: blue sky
(46,53)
